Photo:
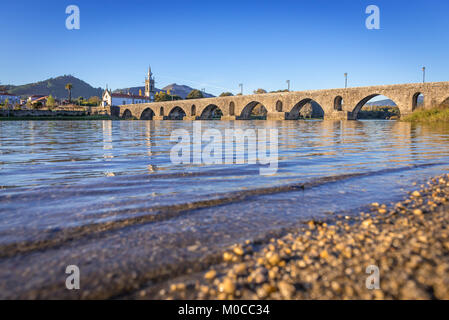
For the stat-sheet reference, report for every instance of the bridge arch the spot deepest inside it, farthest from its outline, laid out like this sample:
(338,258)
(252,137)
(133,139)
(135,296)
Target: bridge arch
(248,111)
(356,111)
(417,100)
(279,106)
(211,112)
(314,111)
(127,114)
(177,113)
(338,103)
(161,111)
(147,114)
(193,110)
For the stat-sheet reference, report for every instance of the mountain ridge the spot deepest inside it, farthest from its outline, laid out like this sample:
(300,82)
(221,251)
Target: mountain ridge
(56,88)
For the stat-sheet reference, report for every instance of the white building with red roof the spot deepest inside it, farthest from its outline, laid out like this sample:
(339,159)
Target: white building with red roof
(117,99)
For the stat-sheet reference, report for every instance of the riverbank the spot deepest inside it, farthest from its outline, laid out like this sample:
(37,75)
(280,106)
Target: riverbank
(408,242)
(437,114)
(67,117)
(67,113)
(379,112)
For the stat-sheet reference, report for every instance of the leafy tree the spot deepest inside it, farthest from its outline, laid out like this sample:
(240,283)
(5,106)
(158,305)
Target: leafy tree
(69,87)
(226,94)
(195,94)
(6,103)
(307,111)
(51,101)
(80,100)
(259,111)
(95,101)
(37,105)
(162,96)
(260,91)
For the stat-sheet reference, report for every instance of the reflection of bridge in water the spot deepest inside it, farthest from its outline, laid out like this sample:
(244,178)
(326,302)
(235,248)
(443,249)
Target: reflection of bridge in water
(343,104)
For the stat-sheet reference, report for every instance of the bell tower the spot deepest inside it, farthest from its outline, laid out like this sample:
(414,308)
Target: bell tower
(149,85)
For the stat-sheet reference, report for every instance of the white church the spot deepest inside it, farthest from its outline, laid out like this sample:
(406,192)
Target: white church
(117,99)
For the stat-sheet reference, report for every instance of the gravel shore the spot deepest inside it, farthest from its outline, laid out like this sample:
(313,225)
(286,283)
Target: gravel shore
(408,242)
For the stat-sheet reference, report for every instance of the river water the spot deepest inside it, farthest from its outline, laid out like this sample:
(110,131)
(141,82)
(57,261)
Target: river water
(105,195)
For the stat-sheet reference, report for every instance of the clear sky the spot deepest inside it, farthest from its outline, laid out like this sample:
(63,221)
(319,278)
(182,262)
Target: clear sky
(218,44)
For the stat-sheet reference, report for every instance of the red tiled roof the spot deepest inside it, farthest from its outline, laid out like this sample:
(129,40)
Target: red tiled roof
(42,98)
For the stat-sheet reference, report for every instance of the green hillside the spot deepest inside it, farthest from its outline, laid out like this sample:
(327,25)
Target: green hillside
(56,87)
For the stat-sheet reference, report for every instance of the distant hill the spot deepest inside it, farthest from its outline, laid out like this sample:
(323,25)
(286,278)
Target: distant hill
(382,103)
(56,87)
(389,103)
(183,91)
(180,90)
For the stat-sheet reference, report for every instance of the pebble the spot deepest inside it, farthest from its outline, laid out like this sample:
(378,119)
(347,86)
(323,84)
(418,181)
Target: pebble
(210,275)
(286,289)
(227,286)
(240,269)
(227,256)
(238,251)
(324,254)
(273,258)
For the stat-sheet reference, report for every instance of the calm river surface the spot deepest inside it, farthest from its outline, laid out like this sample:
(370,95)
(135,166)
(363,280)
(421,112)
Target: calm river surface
(105,196)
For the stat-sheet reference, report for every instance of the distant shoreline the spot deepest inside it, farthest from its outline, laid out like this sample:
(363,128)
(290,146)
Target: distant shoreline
(47,118)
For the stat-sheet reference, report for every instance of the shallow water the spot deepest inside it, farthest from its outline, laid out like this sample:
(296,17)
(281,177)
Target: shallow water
(60,174)
(110,187)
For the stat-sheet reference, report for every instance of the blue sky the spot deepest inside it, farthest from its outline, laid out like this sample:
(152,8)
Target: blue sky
(218,44)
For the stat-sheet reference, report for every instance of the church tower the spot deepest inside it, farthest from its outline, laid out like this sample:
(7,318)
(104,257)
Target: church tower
(149,85)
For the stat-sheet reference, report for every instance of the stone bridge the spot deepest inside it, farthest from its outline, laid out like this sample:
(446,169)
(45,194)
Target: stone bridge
(343,104)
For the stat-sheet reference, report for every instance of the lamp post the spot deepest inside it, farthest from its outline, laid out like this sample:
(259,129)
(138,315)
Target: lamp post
(288,85)
(241,88)
(423,74)
(346,80)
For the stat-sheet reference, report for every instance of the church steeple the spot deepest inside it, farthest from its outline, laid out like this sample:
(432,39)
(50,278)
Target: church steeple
(149,85)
